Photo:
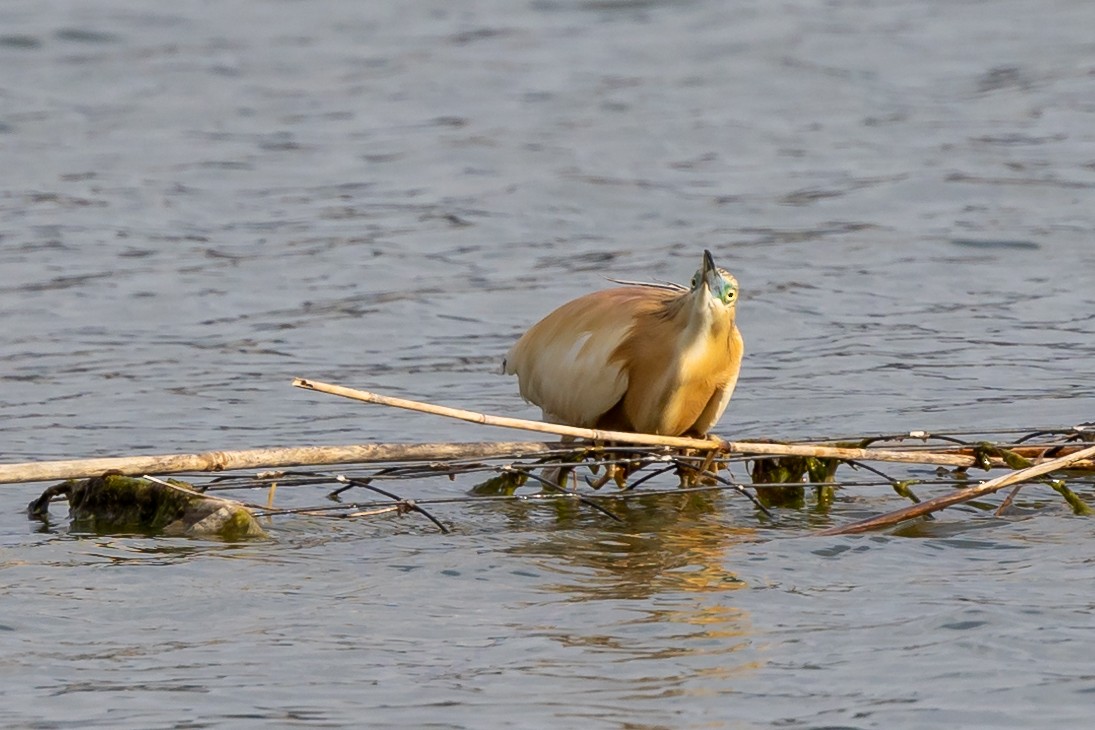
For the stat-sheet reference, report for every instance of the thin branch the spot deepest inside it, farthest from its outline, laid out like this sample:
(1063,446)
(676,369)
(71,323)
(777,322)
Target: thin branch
(899,486)
(1006,504)
(410,503)
(964,495)
(558,489)
(727,482)
(647,477)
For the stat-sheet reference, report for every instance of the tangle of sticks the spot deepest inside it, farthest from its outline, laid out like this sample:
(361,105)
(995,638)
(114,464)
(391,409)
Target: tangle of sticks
(772,475)
(771,483)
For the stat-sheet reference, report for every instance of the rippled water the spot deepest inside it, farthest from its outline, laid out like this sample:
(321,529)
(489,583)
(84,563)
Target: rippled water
(200,201)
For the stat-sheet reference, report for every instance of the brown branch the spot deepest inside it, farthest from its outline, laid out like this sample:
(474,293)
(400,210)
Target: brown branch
(964,495)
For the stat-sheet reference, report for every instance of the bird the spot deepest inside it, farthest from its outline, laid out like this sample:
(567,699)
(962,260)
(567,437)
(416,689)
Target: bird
(656,358)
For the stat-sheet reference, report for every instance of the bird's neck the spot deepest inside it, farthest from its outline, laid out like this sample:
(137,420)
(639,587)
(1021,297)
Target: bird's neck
(695,318)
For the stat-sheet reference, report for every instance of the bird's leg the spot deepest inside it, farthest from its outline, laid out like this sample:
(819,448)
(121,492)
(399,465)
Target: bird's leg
(559,474)
(609,468)
(706,467)
(686,473)
(617,472)
(622,471)
(701,474)
(601,480)
(692,476)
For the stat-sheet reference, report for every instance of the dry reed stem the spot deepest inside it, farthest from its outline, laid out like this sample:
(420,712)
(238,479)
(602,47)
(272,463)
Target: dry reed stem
(266,458)
(964,495)
(643,439)
(44,471)
(824,452)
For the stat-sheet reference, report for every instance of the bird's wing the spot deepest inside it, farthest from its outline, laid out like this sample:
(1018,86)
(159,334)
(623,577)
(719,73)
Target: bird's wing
(567,363)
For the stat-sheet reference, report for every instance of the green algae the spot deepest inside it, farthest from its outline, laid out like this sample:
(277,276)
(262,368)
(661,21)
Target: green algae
(785,471)
(113,504)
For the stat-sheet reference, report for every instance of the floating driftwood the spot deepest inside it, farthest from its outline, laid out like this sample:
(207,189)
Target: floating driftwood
(818,461)
(114,503)
(780,474)
(271,458)
(986,456)
(965,495)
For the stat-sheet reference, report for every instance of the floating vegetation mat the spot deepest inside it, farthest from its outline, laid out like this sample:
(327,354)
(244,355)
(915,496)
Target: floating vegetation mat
(922,472)
(927,471)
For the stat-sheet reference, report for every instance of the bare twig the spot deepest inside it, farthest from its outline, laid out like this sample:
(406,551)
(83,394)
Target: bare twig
(722,480)
(410,504)
(1006,504)
(964,495)
(557,489)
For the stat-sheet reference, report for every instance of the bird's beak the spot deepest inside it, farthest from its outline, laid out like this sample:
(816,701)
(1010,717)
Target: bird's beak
(711,276)
(713,280)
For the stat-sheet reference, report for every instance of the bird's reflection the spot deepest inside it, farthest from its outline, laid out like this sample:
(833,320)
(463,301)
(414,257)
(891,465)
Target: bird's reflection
(665,543)
(663,573)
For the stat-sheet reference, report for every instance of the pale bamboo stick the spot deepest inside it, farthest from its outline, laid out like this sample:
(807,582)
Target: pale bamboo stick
(643,439)
(741,447)
(264,458)
(268,458)
(963,495)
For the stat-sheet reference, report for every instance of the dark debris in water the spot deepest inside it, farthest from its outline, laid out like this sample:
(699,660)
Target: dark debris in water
(989,243)
(84,35)
(1002,77)
(20,41)
(592,261)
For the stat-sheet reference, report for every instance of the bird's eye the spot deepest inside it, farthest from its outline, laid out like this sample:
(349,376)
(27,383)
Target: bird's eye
(695,280)
(729,294)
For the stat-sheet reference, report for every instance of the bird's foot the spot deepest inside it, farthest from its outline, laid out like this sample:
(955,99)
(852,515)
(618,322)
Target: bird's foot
(613,472)
(600,481)
(702,474)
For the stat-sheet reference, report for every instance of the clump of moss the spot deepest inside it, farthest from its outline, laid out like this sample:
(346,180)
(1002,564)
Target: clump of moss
(786,471)
(113,503)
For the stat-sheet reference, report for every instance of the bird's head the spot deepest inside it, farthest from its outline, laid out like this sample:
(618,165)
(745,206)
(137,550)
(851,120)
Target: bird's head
(715,287)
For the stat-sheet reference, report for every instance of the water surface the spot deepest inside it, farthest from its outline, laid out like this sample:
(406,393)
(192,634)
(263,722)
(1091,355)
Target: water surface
(199,202)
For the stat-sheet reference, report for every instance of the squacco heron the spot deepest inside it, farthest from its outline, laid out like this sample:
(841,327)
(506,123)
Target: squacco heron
(649,358)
